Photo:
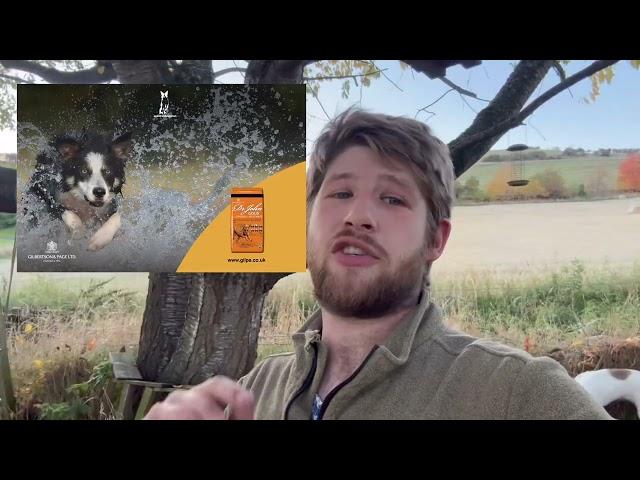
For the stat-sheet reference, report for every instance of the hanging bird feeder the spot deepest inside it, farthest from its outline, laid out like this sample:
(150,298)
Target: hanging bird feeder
(517,167)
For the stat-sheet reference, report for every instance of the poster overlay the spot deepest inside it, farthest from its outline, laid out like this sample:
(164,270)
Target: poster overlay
(161,178)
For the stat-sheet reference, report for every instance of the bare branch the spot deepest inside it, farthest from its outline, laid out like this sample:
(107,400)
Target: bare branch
(529,124)
(433,114)
(315,116)
(433,103)
(229,70)
(461,90)
(385,75)
(559,70)
(98,74)
(243,73)
(15,79)
(525,112)
(467,103)
(320,103)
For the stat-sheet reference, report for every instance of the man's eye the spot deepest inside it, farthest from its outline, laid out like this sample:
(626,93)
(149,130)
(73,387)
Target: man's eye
(341,195)
(393,200)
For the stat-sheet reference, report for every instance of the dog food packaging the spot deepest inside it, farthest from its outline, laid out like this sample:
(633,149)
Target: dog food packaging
(247,220)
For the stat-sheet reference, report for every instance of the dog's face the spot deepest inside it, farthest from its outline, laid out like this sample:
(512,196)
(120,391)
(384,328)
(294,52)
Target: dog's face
(93,169)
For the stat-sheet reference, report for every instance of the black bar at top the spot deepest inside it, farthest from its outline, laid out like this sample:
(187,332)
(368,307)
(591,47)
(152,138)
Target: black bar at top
(260,195)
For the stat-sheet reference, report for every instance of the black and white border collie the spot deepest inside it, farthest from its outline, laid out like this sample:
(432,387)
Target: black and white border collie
(78,182)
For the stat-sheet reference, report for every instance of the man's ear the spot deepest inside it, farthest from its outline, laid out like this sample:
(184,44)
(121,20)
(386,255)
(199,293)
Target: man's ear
(121,147)
(439,240)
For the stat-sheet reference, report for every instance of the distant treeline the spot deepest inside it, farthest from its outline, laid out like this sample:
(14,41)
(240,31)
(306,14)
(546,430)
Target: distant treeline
(535,153)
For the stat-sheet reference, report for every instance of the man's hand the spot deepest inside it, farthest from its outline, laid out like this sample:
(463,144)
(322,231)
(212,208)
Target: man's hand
(207,401)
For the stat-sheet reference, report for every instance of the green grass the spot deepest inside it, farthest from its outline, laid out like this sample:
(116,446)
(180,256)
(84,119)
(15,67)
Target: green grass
(550,307)
(553,307)
(575,171)
(81,297)
(63,340)
(7,236)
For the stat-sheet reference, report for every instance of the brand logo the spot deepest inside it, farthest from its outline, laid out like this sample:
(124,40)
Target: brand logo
(163,111)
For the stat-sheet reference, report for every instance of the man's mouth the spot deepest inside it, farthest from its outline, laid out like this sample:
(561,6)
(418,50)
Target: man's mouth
(354,247)
(351,252)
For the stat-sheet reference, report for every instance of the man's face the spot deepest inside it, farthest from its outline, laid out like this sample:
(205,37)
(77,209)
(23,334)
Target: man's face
(367,247)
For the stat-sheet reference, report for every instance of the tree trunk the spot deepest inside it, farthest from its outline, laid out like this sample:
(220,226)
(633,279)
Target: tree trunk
(275,71)
(520,85)
(142,71)
(196,326)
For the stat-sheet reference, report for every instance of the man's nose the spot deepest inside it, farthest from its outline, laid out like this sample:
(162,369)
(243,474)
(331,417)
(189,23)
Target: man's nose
(360,215)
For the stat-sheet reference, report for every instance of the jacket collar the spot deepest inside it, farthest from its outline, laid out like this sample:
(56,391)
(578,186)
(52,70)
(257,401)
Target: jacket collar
(399,344)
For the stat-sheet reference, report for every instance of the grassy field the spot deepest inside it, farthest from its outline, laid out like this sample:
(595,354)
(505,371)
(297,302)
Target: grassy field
(72,327)
(7,236)
(575,170)
(64,341)
(518,237)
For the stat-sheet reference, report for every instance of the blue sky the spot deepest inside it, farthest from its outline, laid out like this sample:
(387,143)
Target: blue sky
(613,120)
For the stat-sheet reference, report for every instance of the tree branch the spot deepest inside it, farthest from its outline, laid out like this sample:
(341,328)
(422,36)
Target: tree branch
(433,114)
(517,119)
(438,68)
(229,70)
(275,71)
(385,75)
(520,85)
(293,64)
(320,103)
(529,124)
(15,79)
(244,74)
(467,103)
(98,74)
(433,103)
(461,90)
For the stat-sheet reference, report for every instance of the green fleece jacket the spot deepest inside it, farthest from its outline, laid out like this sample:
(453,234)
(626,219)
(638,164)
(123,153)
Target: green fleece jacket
(425,370)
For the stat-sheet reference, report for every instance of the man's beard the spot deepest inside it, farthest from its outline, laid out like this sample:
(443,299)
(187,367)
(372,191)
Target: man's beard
(383,293)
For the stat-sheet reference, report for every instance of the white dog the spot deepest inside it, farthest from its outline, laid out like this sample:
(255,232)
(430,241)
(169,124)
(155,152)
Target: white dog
(611,384)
